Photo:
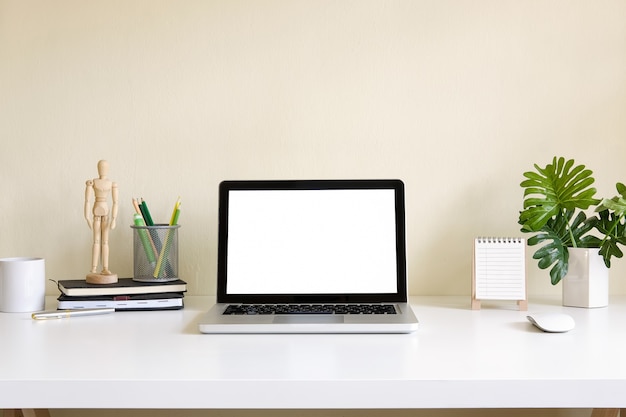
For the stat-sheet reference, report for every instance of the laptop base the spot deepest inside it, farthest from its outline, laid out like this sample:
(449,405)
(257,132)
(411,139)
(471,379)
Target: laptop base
(215,322)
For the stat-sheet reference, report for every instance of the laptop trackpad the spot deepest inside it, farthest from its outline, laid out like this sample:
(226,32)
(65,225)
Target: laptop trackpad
(306,318)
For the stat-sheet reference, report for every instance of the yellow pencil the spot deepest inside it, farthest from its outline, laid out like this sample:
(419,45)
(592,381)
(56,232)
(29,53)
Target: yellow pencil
(168,240)
(176,206)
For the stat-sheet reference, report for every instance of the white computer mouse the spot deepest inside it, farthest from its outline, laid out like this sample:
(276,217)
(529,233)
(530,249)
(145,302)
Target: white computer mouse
(552,322)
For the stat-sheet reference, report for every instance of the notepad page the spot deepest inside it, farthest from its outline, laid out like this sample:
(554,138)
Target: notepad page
(499,268)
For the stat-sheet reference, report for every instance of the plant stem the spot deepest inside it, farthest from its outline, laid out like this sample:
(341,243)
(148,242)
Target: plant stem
(571,234)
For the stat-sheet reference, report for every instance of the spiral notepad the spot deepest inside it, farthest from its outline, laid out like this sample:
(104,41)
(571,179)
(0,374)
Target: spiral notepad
(499,270)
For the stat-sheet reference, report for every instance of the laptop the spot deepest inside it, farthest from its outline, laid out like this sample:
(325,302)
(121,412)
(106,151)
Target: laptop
(311,256)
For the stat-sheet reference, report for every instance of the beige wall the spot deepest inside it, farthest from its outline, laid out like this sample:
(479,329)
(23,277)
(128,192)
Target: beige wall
(457,98)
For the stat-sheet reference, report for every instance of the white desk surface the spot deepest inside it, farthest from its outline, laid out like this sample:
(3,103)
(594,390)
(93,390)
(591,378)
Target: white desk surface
(458,358)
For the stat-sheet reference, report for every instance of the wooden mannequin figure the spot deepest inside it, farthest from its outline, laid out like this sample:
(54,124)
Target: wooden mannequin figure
(101,222)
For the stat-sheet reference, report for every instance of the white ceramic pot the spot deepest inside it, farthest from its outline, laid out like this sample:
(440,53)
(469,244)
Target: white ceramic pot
(587,281)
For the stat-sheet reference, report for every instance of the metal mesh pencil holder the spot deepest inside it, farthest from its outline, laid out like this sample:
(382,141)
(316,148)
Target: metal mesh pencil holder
(155,253)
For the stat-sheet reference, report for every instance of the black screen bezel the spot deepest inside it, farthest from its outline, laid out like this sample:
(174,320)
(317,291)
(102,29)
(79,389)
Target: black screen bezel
(226,187)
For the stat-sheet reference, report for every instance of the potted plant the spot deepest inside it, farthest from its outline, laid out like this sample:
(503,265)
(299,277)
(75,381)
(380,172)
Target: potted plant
(555,200)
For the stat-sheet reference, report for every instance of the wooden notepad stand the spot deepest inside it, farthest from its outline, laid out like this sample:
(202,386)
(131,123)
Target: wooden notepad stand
(521,304)
(499,271)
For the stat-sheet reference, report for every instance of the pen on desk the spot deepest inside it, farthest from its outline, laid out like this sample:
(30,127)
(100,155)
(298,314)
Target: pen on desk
(61,314)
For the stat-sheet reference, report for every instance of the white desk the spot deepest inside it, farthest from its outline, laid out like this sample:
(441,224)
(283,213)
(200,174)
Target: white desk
(492,358)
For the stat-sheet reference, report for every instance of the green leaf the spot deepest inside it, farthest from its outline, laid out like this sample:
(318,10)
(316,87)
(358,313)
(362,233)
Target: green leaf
(550,191)
(553,254)
(617,203)
(557,235)
(612,226)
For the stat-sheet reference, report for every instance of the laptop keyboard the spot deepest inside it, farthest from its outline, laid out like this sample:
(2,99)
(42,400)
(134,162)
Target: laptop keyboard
(253,309)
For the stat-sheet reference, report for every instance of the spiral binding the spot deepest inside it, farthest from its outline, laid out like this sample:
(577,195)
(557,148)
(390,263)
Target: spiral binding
(491,239)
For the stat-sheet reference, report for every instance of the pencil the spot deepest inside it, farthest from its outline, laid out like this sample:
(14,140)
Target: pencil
(168,240)
(145,239)
(146,213)
(153,250)
(136,206)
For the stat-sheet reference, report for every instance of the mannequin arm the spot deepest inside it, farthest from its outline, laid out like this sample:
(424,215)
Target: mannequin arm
(88,195)
(114,197)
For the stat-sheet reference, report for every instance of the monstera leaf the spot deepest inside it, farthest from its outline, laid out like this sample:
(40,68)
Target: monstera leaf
(618,203)
(614,230)
(611,225)
(557,234)
(552,190)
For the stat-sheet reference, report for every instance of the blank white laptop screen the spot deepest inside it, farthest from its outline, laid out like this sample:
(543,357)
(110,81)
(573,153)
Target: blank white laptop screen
(326,241)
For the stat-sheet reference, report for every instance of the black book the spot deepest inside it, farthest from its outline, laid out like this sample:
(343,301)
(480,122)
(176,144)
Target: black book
(124,286)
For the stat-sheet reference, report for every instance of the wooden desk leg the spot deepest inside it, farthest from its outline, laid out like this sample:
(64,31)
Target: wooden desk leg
(27,412)
(36,412)
(607,412)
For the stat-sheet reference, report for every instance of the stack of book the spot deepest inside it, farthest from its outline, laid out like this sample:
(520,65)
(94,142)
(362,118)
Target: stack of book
(126,294)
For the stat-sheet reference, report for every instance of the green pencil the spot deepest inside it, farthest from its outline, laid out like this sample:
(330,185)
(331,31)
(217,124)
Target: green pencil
(145,239)
(168,241)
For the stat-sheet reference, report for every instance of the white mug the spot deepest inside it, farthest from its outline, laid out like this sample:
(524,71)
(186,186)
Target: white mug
(22,284)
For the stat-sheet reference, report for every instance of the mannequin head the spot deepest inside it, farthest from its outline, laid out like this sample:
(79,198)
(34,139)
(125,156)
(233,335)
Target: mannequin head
(103,168)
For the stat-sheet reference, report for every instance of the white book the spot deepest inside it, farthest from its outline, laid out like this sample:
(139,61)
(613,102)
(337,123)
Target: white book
(164,301)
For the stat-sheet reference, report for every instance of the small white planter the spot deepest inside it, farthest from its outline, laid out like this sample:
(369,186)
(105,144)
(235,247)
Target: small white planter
(587,281)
